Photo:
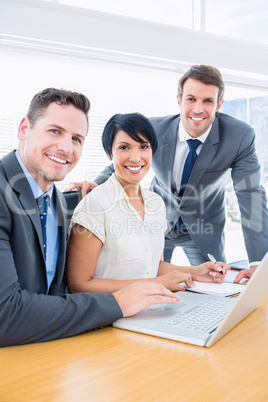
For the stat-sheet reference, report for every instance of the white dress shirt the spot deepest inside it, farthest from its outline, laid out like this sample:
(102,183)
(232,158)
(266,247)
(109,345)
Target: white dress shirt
(181,153)
(132,247)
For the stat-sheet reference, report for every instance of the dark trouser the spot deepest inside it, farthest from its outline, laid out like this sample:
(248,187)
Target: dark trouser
(193,254)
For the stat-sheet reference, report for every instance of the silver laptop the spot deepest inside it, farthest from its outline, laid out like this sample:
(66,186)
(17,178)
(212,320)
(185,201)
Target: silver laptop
(200,319)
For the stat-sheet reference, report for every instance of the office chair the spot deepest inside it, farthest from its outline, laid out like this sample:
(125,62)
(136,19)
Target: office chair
(72,199)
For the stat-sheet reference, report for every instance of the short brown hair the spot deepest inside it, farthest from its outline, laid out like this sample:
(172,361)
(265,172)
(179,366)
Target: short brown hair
(207,75)
(43,99)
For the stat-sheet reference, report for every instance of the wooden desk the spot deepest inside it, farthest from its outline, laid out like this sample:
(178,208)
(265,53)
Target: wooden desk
(117,365)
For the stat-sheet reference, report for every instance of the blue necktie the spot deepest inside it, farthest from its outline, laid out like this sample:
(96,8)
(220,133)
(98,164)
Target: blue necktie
(188,166)
(42,203)
(189,163)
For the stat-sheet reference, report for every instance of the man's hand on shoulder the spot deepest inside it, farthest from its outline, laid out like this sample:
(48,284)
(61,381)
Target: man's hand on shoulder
(136,297)
(84,186)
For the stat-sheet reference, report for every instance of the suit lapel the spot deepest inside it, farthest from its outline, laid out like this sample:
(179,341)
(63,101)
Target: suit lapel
(20,185)
(204,159)
(167,151)
(30,206)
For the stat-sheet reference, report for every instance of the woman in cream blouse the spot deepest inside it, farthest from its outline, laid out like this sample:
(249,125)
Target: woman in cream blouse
(117,230)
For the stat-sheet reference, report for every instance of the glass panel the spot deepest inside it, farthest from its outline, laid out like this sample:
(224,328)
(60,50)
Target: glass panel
(258,118)
(172,12)
(241,19)
(250,106)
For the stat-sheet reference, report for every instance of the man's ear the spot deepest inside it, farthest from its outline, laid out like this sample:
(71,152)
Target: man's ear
(24,124)
(220,105)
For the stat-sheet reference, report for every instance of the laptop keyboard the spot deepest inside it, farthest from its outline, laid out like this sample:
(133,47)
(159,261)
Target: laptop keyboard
(203,316)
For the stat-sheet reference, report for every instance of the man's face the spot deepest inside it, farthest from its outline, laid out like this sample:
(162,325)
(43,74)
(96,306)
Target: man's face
(53,145)
(199,104)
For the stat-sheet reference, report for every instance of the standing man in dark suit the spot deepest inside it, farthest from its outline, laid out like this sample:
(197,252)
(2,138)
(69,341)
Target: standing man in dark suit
(195,207)
(33,304)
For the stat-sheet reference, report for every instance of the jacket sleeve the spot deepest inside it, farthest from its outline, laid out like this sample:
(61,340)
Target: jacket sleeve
(105,174)
(28,317)
(251,196)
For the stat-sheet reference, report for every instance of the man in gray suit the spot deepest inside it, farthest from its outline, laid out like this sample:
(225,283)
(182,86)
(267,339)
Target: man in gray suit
(196,209)
(34,306)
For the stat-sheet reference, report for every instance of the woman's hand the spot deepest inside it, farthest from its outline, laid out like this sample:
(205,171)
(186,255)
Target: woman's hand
(210,272)
(172,280)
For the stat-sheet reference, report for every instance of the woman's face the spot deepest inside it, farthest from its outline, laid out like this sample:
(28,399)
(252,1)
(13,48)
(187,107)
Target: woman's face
(132,160)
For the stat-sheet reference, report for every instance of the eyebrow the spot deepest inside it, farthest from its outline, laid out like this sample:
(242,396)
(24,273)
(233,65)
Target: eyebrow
(63,129)
(128,143)
(194,96)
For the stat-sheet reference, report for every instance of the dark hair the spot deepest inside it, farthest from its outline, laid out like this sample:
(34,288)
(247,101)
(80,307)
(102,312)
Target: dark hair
(134,124)
(43,99)
(207,75)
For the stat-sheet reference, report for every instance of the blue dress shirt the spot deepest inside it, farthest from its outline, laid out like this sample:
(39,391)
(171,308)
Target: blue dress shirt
(52,224)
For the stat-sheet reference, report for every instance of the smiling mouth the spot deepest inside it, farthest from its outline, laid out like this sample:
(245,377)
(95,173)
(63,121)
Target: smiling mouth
(57,159)
(197,118)
(134,168)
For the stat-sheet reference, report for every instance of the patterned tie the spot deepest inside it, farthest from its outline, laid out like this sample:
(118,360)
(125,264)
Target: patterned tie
(188,166)
(43,203)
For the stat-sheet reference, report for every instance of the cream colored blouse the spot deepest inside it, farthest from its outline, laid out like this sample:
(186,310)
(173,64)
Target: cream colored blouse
(132,247)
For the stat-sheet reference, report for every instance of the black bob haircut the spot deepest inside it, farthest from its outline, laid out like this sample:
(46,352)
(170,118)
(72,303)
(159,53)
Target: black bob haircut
(134,124)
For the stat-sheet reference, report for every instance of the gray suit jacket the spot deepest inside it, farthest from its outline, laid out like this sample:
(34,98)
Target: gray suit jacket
(27,313)
(228,149)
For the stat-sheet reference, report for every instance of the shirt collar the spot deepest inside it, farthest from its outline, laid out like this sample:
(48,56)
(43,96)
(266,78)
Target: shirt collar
(120,194)
(37,191)
(184,136)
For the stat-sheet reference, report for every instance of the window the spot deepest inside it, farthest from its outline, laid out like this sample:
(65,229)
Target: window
(175,12)
(241,19)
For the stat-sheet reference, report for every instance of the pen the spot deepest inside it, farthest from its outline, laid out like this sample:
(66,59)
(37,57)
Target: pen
(213,259)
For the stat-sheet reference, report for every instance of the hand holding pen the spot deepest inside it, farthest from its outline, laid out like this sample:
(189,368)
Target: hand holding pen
(208,273)
(213,259)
